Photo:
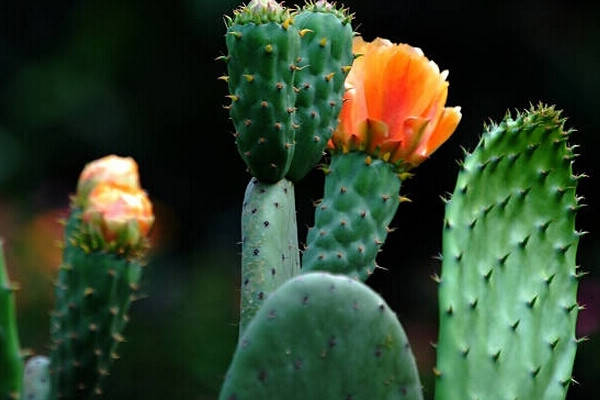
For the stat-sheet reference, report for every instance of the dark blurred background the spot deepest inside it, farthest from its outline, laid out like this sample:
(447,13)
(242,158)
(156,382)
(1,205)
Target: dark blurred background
(82,79)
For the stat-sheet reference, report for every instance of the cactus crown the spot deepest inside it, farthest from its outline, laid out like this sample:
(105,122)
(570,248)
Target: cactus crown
(260,12)
(323,6)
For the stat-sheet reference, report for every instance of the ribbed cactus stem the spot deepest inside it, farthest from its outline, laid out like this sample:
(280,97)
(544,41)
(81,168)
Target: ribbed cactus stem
(269,243)
(508,290)
(11,363)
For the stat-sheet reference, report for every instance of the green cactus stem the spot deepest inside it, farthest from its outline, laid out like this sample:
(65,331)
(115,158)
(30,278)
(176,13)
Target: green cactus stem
(269,243)
(509,281)
(325,60)
(93,294)
(11,363)
(323,336)
(360,199)
(263,46)
(36,379)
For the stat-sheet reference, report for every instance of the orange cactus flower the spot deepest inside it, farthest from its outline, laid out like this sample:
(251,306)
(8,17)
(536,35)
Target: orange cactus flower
(394,105)
(118,216)
(121,171)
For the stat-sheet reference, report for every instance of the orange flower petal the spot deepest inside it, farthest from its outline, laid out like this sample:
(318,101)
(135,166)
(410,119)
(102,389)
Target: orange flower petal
(395,104)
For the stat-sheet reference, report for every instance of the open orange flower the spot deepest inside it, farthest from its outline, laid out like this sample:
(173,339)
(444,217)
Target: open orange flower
(394,105)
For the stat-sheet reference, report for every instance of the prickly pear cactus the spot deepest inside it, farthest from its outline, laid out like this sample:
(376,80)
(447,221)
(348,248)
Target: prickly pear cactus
(325,60)
(263,46)
(11,364)
(93,294)
(360,199)
(269,243)
(323,336)
(508,287)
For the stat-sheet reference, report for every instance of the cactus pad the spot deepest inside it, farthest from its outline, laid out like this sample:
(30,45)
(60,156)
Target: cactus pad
(269,243)
(360,199)
(323,336)
(263,46)
(508,286)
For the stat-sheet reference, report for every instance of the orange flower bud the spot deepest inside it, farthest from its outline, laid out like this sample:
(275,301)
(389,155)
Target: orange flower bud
(394,106)
(112,169)
(117,216)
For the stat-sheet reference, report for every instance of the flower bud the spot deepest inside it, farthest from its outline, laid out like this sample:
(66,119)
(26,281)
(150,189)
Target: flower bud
(111,169)
(117,217)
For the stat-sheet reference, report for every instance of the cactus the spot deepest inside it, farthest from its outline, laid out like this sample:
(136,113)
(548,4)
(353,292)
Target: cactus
(105,241)
(263,46)
(36,378)
(323,336)
(324,62)
(508,286)
(361,197)
(269,243)
(11,363)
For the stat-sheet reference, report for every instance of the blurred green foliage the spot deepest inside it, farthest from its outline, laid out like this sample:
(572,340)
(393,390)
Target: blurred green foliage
(80,79)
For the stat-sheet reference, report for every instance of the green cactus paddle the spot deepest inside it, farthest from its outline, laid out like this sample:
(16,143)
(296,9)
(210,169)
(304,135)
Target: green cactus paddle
(324,61)
(269,243)
(508,286)
(327,337)
(11,363)
(263,46)
(360,199)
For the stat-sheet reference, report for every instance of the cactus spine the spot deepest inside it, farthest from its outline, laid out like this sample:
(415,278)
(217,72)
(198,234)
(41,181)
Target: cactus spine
(508,286)
(263,46)
(360,199)
(11,363)
(324,61)
(323,336)
(269,243)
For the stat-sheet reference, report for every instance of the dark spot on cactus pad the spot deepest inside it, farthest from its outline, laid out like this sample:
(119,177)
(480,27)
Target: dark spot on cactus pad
(378,352)
(536,371)
(266,224)
(261,295)
(305,300)
(549,279)
(276,204)
(256,252)
(273,270)
(381,307)
(332,342)
(262,375)
(554,343)
(246,282)
(254,210)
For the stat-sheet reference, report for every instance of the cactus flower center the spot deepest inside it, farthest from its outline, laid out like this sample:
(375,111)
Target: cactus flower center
(394,105)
